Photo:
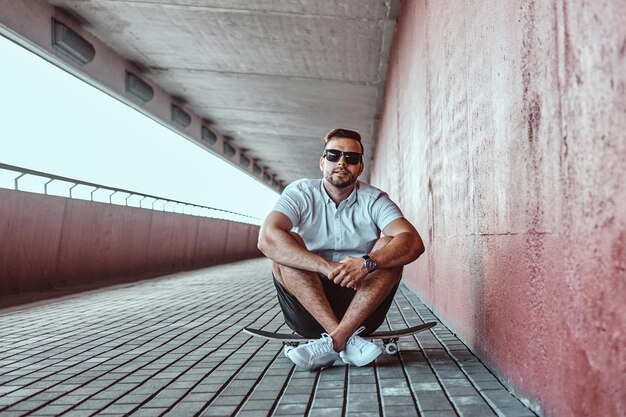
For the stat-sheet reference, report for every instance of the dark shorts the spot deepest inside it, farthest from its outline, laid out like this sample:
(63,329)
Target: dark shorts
(303,323)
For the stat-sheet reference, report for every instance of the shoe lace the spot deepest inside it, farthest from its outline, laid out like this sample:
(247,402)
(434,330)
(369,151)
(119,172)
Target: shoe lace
(356,340)
(320,346)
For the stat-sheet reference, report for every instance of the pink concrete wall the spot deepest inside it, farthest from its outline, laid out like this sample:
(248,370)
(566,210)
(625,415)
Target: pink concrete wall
(53,242)
(503,137)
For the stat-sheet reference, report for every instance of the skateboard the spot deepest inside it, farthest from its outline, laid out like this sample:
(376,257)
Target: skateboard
(388,337)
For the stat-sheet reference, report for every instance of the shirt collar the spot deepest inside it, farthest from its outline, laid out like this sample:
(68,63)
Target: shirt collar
(352,198)
(327,198)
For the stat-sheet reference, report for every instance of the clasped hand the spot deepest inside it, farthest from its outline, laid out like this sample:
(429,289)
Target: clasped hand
(348,272)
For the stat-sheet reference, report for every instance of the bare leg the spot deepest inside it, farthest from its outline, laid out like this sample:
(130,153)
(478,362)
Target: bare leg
(307,288)
(374,289)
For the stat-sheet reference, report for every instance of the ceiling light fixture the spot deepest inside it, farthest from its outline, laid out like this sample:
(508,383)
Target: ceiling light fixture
(180,117)
(71,43)
(138,88)
(244,161)
(229,150)
(208,136)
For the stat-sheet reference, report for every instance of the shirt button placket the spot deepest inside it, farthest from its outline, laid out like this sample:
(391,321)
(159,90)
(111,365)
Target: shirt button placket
(338,232)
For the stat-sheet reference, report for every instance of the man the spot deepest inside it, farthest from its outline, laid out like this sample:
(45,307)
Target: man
(334,275)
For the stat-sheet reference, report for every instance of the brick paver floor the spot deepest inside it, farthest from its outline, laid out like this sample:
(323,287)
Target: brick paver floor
(173,346)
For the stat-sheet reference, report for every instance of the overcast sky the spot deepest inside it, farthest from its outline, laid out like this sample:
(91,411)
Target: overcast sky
(53,122)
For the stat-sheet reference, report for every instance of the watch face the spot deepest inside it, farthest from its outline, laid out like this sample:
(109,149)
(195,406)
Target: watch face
(370,264)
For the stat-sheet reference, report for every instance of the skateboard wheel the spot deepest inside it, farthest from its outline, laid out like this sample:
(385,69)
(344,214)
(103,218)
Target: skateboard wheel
(391,348)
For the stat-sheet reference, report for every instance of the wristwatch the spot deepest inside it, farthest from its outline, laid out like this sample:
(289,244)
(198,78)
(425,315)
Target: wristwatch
(369,264)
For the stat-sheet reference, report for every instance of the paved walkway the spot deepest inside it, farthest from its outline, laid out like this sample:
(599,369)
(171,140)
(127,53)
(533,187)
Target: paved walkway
(173,346)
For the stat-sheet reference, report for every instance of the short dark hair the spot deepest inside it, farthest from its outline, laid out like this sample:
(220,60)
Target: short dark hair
(344,133)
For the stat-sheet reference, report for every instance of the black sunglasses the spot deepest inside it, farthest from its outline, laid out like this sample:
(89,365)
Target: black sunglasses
(334,155)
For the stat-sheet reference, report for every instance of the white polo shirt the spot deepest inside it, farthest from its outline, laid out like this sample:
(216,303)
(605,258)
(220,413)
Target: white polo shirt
(333,232)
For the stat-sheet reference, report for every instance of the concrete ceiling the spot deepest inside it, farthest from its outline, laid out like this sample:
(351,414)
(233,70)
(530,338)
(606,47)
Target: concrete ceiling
(273,76)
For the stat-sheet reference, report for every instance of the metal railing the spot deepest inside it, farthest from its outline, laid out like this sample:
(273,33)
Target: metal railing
(200,210)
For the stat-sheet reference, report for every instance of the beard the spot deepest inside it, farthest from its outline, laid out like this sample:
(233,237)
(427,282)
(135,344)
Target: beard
(341,182)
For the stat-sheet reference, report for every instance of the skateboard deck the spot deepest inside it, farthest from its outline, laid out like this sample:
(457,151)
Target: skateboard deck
(388,337)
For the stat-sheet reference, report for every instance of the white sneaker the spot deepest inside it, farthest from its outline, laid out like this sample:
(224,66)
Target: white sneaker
(314,355)
(358,351)
(288,348)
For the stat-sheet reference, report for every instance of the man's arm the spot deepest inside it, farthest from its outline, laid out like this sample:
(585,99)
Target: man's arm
(277,243)
(404,247)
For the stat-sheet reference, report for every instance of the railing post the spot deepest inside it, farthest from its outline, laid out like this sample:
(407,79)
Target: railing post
(25,171)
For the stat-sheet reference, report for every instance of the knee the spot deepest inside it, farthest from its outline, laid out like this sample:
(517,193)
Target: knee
(278,268)
(381,243)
